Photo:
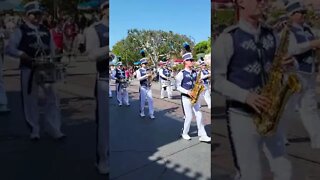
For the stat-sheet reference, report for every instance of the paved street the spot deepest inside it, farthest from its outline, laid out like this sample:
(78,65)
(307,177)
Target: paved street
(47,159)
(140,148)
(152,149)
(306,161)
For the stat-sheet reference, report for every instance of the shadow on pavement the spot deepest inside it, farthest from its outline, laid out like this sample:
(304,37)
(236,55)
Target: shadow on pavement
(146,149)
(47,159)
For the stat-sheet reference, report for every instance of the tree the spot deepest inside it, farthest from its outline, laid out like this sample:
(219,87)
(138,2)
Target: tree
(201,47)
(208,51)
(155,44)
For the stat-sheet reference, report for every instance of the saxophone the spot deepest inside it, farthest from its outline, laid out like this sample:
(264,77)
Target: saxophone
(151,77)
(277,90)
(197,90)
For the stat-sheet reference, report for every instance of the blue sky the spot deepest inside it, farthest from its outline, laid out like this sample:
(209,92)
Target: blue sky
(189,17)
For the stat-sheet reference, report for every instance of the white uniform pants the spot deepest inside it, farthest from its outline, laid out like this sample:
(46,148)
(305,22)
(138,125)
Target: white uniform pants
(248,144)
(102,121)
(206,95)
(122,95)
(3,96)
(31,109)
(167,88)
(146,93)
(187,110)
(110,92)
(307,103)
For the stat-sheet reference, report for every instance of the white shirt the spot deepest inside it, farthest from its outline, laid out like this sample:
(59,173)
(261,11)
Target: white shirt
(161,74)
(295,48)
(179,78)
(205,76)
(139,77)
(113,74)
(93,48)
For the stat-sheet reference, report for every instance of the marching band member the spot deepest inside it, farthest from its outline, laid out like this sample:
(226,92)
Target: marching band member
(185,80)
(205,77)
(145,87)
(111,71)
(119,75)
(302,45)
(165,75)
(24,44)
(3,96)
(238,70)
(98,50)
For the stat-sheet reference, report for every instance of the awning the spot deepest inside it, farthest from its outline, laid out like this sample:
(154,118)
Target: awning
(178,60)
(7,5)
(89,5)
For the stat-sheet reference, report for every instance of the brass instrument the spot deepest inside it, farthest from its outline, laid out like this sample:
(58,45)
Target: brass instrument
(197,90)
(150,77)
(48,70)
(276,90)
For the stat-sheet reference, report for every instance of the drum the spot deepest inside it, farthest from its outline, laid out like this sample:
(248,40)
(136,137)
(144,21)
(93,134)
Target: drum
(48,73)
(166,83)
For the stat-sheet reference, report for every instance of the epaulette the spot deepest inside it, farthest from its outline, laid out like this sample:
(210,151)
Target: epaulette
(230,29)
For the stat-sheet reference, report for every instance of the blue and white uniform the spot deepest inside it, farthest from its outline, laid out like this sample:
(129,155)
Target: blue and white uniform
(122,93)
(165,75)
(306,101)
(3,96)
(185,80)
(145,90)
(205,74)
(97,45)
(27,39)
(242,58)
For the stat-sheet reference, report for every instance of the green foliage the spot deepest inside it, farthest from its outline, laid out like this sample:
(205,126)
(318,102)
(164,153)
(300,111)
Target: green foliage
(208,51)
(177,67)
(201,47)
(156,43)
(225,16)
(127,50)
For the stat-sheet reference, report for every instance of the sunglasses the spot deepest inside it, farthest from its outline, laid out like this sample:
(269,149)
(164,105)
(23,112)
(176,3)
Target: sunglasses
(36,13)
(260,1)
(191,60)
(301,12)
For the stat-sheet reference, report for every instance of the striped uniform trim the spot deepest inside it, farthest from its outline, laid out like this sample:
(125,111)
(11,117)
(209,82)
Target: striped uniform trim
(143,61)
(291,8)
(22,102)
(231,141)
(187,56)
(32,7)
